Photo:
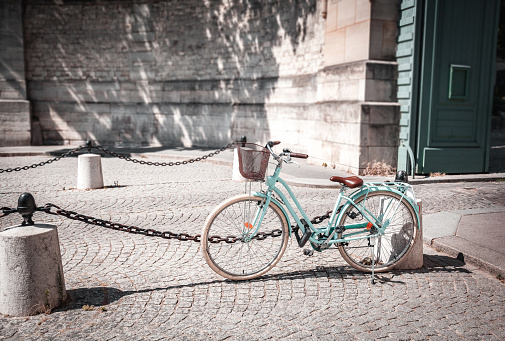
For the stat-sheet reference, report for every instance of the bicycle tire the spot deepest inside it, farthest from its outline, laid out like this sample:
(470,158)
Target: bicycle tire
(396,242)
(243,260)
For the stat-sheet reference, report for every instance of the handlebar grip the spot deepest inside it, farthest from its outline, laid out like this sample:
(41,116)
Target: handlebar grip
(299,155)
(273,143)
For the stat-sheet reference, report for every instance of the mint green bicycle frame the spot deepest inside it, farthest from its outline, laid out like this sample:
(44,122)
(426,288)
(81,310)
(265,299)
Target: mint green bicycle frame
(338,210)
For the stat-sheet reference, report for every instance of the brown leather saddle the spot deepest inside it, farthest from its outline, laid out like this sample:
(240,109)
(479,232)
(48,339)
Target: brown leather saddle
(351,181)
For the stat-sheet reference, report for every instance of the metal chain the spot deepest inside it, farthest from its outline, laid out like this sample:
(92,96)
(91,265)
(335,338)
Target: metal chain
(17,169)
(151,232)
(116,226)
(120,156)
(320,219)
(149,163)
(6,211)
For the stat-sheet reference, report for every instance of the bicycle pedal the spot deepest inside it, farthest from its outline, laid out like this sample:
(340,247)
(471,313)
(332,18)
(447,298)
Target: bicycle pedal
(308,252)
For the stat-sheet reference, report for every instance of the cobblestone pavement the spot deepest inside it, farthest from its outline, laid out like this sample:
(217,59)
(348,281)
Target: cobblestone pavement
(145,288)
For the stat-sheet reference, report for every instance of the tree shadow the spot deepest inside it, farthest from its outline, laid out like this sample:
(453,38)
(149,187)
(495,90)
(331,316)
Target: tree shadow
(157,72)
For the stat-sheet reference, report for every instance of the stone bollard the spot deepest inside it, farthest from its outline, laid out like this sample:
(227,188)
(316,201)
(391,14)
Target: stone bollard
(415,259)
(89,171)
(31,271)
(236,176)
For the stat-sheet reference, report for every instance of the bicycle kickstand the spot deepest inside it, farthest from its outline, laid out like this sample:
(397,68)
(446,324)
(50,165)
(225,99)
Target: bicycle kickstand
(373,260)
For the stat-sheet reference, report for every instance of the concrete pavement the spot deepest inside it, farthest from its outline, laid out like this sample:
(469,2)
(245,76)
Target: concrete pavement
(126,286)
(475,235)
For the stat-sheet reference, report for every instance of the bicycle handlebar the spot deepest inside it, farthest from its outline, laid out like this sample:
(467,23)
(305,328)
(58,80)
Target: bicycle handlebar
(286,152)
(299,155)
(272,143)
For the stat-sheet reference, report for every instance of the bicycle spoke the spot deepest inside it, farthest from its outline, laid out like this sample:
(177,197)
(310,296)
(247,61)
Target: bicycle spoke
(245,258)
(394,244)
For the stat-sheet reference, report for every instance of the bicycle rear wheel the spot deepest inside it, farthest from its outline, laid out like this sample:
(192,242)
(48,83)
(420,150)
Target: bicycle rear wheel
(244,259)
(393,246)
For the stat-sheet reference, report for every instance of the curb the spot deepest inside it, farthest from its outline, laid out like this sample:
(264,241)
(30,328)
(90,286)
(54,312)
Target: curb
(450,243)
(439,245)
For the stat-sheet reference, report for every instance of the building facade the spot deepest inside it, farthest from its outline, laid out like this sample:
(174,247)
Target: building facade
(326,77)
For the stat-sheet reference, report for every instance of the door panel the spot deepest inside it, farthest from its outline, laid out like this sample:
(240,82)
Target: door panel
(455,126)
(455,93)
(457,160)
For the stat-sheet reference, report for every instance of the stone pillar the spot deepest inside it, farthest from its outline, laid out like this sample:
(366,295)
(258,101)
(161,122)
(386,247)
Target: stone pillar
(15,127)
(236,176)
(89,173)
(31,271)
(360,75)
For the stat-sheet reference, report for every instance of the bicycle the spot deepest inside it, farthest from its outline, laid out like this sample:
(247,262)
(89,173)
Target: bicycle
(373,225)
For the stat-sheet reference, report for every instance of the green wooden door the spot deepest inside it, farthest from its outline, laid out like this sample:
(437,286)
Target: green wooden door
(457,65)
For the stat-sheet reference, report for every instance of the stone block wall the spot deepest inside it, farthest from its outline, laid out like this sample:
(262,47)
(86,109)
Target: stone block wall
(361,30)
(191,73)
(352,119)
(201,73)
(14,109)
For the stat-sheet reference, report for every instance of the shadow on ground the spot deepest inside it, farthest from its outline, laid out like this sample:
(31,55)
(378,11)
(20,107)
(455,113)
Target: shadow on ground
(97,297)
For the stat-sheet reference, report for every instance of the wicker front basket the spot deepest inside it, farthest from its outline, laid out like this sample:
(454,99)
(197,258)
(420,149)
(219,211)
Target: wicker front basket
(253,161)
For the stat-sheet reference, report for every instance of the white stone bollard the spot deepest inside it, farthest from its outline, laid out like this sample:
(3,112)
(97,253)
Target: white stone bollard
(89,171)
(31,271)
(415,259)
(236,176)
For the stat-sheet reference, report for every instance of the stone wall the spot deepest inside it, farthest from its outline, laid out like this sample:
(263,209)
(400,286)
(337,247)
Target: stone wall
(192,73)
(200,73)
(360,50)
(14,108)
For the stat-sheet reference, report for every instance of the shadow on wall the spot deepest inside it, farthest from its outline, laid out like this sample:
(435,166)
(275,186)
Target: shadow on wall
(174,73)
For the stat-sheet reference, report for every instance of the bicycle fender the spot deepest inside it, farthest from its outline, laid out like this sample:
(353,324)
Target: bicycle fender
(276,203)
(361,192)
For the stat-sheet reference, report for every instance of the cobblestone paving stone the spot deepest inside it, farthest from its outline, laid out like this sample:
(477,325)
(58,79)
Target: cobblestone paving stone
(145,288)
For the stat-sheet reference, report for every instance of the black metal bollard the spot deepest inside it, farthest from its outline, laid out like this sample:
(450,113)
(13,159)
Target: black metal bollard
(26,207)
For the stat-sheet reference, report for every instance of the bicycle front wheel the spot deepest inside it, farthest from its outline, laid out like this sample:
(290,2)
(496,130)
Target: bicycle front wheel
(226,238)
(391,247)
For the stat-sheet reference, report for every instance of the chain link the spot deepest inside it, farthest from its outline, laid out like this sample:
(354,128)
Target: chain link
(320,219)
(149,163)
(6,211)
(17,169)
(47,208)
(120,156)
(134,229)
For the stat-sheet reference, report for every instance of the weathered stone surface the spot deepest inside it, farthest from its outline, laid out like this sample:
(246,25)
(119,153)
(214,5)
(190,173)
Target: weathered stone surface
(141,73)
(31,271)
(89,171)
(14,109)
(14,123)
